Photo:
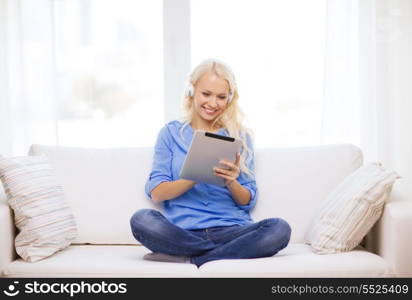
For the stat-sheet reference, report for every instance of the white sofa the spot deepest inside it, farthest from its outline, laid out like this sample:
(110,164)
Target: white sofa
(106,186)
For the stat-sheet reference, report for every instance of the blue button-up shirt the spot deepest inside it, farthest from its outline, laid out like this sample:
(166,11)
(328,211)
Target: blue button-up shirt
(204,205)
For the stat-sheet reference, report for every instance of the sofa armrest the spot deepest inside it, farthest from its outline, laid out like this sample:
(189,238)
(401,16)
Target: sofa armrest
(390,238)
(7,234)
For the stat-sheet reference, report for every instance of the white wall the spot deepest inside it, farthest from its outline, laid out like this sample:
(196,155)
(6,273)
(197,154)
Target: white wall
(395,89)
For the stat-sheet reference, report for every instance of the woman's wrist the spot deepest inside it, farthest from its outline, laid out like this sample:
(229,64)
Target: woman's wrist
(189,182)
(231,183)
(239,193)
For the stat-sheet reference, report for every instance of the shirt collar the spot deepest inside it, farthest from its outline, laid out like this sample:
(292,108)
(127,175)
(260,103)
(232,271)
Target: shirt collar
(221,131)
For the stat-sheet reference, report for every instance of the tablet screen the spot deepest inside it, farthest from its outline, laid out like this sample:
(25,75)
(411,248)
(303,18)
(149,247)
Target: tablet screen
(205,152)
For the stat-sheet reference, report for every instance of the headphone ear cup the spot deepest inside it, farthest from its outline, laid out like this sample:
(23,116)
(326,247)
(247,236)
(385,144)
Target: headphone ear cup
(190,90)
(230,97)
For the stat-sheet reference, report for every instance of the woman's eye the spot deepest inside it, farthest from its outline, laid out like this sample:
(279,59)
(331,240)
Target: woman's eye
(205,94)
(222,97)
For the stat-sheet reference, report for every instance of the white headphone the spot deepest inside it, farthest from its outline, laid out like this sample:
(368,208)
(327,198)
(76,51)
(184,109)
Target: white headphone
(190,92)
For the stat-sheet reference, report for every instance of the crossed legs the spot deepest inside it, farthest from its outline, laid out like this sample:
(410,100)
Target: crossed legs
(261,239)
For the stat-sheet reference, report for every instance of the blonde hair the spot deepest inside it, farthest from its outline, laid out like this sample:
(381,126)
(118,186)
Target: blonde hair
(231,118)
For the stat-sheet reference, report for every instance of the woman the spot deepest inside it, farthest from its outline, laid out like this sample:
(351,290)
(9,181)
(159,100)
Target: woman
(204,222)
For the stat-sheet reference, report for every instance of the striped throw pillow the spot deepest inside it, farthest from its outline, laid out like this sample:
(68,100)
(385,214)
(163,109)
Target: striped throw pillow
(351,209)
(44,220)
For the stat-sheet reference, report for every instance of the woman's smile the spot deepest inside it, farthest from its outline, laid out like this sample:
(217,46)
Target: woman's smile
(209,111)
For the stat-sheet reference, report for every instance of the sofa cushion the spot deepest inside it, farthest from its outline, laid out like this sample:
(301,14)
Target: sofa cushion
(106,186)
(296,260)
(100,261)
(45,221)
(351,209)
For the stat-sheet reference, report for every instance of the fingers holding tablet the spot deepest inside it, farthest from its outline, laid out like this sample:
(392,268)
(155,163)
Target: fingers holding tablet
(232,172)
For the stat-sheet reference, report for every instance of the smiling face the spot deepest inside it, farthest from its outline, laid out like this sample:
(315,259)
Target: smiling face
(210,99)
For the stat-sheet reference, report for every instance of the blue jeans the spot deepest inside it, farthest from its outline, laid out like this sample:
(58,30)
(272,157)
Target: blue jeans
(261,239)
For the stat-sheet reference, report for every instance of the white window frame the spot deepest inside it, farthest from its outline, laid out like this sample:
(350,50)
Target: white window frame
(176,55)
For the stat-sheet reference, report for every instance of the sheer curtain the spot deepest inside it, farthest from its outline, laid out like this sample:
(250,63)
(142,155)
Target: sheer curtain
(368,82)
(26,60)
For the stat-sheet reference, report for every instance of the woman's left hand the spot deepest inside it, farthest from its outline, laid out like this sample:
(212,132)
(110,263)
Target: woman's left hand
(231,174)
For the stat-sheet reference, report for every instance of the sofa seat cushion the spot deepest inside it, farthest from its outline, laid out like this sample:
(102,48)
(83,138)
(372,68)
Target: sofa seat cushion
(299,260)
(296,260)
(100,261)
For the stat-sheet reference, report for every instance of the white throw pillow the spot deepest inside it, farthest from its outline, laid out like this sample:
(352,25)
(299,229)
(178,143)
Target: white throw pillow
(351,209)
(45,221)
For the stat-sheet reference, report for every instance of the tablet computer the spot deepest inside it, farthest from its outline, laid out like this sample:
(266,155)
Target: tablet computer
(205,152)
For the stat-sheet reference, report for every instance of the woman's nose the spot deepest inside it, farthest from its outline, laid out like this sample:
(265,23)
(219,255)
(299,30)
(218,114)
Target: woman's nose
(212,101)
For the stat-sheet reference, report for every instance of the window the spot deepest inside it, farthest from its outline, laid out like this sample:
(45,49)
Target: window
(276,50)
(109,65)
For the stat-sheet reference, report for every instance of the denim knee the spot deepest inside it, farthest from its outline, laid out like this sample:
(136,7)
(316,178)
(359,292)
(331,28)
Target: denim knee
(142,217)
(280,231)
(286,229)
